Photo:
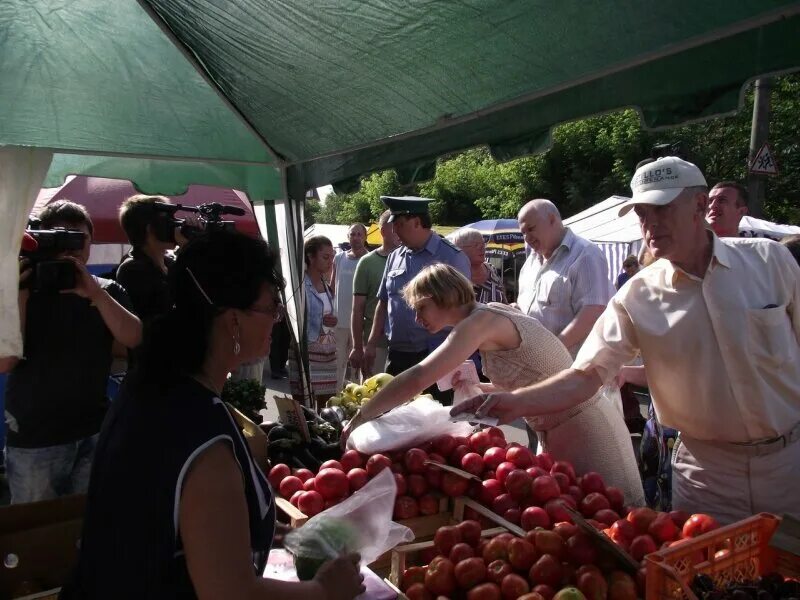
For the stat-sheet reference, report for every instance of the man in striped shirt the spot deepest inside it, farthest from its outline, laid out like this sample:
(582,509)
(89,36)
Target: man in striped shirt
(564,282)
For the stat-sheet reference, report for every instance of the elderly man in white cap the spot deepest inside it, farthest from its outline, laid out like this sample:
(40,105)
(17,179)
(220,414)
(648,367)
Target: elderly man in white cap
(717,322)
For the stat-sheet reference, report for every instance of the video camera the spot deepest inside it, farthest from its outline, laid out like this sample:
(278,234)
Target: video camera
(49,274)
(210,216)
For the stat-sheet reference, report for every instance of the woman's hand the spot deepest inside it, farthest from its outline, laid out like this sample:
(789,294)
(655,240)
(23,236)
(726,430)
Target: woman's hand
(504,406)
(86,285)
(330,320)
(340,578)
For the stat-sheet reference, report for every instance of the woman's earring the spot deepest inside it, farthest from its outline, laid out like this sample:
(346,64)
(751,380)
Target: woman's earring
(236,346)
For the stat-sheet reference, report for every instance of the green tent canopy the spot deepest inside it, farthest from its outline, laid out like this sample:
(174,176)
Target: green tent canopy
(330,91)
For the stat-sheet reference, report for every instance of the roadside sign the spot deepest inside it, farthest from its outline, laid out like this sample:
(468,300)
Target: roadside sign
(764,162)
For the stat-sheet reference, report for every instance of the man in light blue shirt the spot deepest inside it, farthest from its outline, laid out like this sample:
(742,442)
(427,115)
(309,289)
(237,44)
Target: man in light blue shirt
(408,341)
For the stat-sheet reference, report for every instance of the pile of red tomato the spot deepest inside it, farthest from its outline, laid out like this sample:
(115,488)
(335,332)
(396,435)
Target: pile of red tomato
(544,565)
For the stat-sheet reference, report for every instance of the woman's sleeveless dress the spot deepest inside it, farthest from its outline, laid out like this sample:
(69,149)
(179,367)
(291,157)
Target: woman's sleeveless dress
(592,436)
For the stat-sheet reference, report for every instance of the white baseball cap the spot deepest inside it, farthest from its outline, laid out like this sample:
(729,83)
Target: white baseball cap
(661,181)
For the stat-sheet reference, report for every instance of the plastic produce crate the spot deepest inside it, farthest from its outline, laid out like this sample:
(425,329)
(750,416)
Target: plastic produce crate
(746,555)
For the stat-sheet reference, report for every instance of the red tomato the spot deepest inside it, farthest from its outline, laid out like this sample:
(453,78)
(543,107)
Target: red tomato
(472,462)
(461,551)
(480,441)
(417,591)
(533,517)
(440,577)
(698,524)
(547,570)
(351,460)
(470,531)
(454,485)
(415,460)
(663,528)
(521,554)
(444,445)
(289,486)
(405,507)
(641,546)
(521,457)
(470,572)
(592,482)
(562,466)
(310,503)
(413,575)
(518,484)
(484,591)
(513,586)
(331,483)
(497,570)
(357,478)
(493,457)
(331,464)
(594,502)
(445,538)
(490,489)
(277,474)
(377,463)
(303,474)
(417,485)
(544,488)
(503,470)
(428,504)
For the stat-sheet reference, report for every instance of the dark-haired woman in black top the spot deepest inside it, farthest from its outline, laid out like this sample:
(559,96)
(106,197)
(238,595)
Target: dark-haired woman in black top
(177,508)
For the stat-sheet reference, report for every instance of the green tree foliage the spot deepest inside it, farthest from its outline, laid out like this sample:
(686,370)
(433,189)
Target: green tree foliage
(590,160)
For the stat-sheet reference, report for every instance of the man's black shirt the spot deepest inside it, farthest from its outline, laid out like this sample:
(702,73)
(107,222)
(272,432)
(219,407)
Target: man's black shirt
(57,393)
(147,285)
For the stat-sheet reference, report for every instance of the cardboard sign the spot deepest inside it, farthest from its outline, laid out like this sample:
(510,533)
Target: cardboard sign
(290,412)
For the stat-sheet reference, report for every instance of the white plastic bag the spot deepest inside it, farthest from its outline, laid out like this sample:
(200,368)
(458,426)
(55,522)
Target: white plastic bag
(366,516)
(408,425)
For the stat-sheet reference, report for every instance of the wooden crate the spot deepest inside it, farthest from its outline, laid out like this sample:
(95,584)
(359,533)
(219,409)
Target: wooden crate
(401,554)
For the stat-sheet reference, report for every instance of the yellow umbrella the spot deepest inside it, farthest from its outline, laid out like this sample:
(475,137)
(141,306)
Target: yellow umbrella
(374,237)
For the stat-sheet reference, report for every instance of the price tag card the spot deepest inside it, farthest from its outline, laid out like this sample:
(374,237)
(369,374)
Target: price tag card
(291,413)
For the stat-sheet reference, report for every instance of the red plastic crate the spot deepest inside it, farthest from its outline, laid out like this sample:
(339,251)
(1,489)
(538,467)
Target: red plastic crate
(670,571)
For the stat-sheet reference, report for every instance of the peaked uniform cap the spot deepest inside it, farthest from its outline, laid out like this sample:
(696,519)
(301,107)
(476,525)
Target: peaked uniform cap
(405,205)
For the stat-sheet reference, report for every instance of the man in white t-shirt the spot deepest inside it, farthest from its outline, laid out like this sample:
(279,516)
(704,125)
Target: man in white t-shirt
(344,268)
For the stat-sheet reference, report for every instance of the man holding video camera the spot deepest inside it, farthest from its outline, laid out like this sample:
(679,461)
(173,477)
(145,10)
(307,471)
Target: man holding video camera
(56,393)
(153,232)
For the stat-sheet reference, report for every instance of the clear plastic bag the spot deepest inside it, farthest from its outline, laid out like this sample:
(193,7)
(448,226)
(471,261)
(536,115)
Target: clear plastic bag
(408,425)
(362,523)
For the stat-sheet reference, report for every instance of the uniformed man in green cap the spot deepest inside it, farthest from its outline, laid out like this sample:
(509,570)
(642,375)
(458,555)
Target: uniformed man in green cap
(409,342)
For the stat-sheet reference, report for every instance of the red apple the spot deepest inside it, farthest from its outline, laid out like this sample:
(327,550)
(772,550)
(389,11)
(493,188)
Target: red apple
(428,504)
(303,474)
(417,485)
(663,529)
(503,502)
(444,444)
(490,489)
(556,511)
(606,516)
(545,461)
(457,454)
(402,484)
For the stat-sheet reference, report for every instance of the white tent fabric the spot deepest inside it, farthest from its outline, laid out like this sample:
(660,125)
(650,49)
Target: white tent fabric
(617,237)
(752,227)
(620,237)
(22,172)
